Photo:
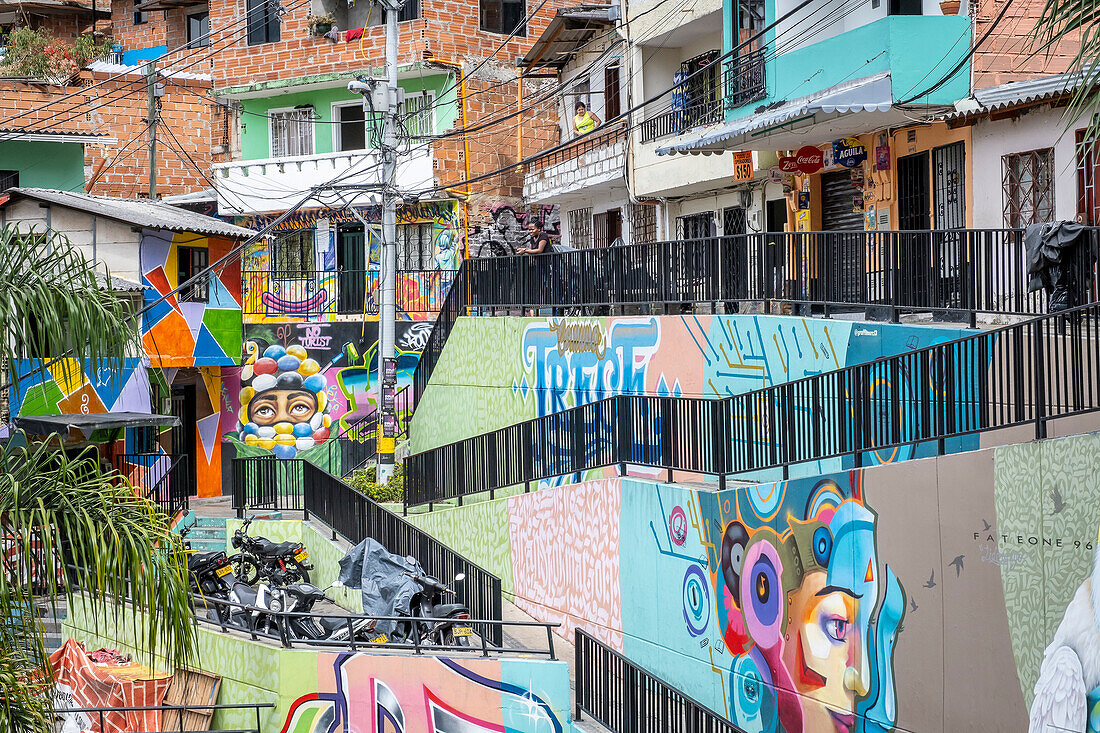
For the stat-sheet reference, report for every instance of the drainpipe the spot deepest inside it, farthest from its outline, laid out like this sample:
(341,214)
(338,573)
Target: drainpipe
(460,70)
(519,118)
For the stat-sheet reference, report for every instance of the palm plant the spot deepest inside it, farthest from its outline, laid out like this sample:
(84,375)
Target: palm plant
(1075,24)
(69,528)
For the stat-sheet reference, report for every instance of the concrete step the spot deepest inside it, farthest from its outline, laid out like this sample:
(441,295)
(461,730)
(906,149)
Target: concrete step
(208,545)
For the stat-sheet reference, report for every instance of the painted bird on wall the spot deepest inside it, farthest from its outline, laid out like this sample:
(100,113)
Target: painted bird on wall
(1067,693)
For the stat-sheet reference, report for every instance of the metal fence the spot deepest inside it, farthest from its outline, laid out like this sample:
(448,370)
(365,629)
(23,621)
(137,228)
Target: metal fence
(966,271)
(310,293)
(163,478)
(626,699)
(176,718)
(676,121)
(267,482)
(356,517)
(1028,373)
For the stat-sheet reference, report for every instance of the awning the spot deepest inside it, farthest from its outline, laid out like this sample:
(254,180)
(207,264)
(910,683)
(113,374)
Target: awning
(848,109)
(89,423)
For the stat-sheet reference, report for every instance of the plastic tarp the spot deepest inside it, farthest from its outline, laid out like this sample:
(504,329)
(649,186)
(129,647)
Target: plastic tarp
(81,683)
(381,575)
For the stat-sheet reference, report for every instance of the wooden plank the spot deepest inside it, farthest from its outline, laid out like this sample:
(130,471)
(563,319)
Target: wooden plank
(191,687)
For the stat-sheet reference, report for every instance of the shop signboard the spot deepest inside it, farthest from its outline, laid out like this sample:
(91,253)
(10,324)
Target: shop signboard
(788,164)
(882,158)
(809,159)
(742,165)
(849,152)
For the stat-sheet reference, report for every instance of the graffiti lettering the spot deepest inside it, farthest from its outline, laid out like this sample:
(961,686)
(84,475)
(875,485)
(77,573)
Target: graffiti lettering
(578,337)
(311,336)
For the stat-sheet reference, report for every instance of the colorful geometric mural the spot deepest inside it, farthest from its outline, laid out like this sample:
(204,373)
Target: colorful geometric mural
(181,332)
(377,694)
(300,381)
(71,387)
(320,290)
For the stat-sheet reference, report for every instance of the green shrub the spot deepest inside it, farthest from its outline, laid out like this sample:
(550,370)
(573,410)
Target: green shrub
(365,480)
(38,54)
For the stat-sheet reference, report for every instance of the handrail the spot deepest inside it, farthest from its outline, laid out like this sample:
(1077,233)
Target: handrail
(1027,373)
(287,642)
(171,488)
(329,292)
(181,709)
(967,271)
(625,698)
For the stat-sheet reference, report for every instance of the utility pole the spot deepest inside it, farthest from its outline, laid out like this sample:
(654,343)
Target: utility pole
(151,88)
(387,311)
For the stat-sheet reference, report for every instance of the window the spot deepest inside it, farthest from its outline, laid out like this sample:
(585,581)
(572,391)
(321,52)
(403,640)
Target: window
(145,439)
(611,101)
(263,21)
(292,132)
(415,247)
(192,261)
(351,132)
(293,255)
(418,113)
(375,15)
(695,226)
(504,16)
(8,179)
(581,92)
(1088,179)
(198,30)
(1028,187)
(734,221)
(140,16)
(643,223)
(580,228)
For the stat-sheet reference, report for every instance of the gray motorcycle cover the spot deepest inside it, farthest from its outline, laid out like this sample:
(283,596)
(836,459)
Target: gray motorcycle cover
(386,590)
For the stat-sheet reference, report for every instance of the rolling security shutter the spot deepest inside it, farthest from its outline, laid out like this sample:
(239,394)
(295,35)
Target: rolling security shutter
(838,214)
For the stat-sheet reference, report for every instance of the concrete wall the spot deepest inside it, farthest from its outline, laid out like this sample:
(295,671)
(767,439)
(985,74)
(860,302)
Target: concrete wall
(934,595)
(1038,128)
(45,165)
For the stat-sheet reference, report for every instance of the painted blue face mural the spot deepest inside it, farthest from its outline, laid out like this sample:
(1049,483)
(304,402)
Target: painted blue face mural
(805,612)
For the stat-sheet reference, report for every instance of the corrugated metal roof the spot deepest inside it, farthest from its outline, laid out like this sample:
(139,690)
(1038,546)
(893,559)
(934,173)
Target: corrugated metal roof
(121,284)
(568,30)
(1017,93)
(138,212)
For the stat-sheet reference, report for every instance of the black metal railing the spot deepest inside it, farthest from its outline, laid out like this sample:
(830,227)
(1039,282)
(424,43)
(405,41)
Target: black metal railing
(967,271)
(309,293)
(675,121)
(163,478)
(351,448)
(1028,373)
(177,723)
(267,482)
(356,517)
(745,79)
(627,699)
(274,626)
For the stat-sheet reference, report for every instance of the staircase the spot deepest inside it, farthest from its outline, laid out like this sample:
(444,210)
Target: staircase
(209,533)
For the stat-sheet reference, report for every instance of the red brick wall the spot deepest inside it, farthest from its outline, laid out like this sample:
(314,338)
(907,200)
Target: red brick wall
(1007,55)
(118,109)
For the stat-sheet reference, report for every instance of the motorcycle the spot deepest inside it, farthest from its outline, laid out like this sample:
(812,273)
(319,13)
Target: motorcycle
(301,597)
(210,573)
(260,558)
(448,629)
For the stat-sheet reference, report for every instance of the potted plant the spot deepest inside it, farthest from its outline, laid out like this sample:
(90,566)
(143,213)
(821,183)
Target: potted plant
(319,25)
(949,7)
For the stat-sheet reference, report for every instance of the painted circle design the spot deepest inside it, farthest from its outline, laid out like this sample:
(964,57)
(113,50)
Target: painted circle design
(696,601)
(823,546)
(677,526)
(762,594)
(734,540)
(766,499)
(751,699)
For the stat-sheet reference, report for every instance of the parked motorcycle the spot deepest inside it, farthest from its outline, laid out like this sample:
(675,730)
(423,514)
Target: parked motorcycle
(301,597)
(261,559)
(210,573)
(448,629)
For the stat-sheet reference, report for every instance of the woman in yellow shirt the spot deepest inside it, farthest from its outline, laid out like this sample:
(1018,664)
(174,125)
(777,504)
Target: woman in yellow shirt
(584,121)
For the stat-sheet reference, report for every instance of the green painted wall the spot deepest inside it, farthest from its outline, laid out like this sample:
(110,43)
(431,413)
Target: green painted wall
(45,165)
(255,126)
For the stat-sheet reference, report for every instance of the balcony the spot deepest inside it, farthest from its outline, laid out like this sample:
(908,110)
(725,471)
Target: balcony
(678,121)
(278,184)
(588,161)
(745,79)
(320,294)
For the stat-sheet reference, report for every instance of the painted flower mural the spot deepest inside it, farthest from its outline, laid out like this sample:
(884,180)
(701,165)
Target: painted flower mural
(284,407)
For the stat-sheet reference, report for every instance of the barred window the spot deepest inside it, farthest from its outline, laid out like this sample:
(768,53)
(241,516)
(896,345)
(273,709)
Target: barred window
(292,132)
(580,228)
(1028,187)
(695,226)
(418,114)
(293,254)
(191,261)
(415,248)
(643,223)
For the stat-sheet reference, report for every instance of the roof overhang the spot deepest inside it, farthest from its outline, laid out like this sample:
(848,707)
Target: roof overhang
(570,29)
(169,4)
(90,422)
(60,137)
(849,109)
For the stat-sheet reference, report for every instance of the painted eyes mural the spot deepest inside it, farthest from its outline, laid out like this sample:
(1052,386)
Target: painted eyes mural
(798,600)
(284,407)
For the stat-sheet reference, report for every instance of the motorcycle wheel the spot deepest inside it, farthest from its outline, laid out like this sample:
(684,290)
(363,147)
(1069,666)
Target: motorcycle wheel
(449,638)
(246,569)
(293,566)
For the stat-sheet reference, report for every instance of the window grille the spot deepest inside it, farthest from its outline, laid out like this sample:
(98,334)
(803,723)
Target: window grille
(643,223)
(1028,187)
(191,261)
(415,247)
(293,255)
(418,114)
(580,228)
(695,226)
(292,132)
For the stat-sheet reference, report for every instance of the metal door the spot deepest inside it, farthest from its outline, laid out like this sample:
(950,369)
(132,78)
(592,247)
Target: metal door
(913,257)
(949,212)
(351,261)
(183,435)
(839,275)
(735,253)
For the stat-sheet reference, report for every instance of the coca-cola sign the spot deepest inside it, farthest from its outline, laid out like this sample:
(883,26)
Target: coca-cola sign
(809,159)
(787,164)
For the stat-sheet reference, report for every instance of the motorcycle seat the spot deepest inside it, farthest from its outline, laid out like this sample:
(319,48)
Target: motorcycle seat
(306,591)
(267,547)
(246,594)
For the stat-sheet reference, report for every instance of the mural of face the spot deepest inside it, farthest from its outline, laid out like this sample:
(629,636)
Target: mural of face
(284,407)
(799,609)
